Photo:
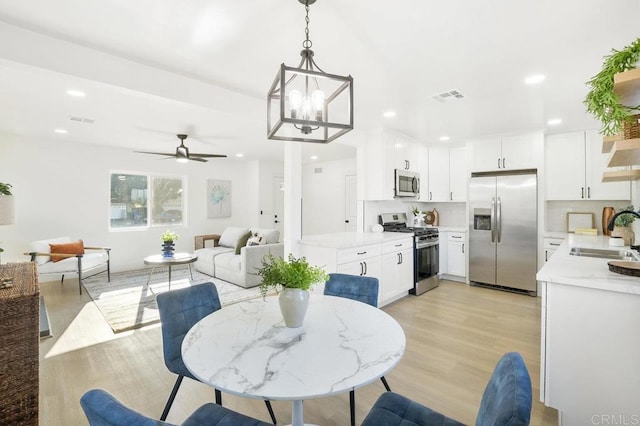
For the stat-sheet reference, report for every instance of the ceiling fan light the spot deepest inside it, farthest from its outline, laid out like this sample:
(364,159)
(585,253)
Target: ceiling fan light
(182,159)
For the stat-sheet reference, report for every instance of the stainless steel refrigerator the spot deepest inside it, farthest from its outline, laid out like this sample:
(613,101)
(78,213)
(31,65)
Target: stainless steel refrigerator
(503,229)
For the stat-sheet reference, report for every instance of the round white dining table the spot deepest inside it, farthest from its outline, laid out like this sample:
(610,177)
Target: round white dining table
(245,349)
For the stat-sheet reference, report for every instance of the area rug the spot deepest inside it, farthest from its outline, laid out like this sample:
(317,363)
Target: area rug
(127,302)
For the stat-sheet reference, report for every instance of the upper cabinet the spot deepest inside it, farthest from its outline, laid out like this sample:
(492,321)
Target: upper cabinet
(447,174)
(380,154)
(574,169)
(506,153)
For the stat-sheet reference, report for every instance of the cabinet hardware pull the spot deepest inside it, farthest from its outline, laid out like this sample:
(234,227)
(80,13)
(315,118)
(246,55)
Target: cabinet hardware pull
(498,162)
(362,252)
(503,166)
(545,255)
(554,244)
(365,268)
(399,261)
(398,245)
(588,192)
(401,258)
(456,236)
(451,196)
(430,195)
(361,269)
(582,189)
(462,247)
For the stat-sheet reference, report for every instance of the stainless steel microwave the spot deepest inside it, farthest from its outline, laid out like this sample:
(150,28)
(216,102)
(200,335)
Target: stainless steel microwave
(407,184)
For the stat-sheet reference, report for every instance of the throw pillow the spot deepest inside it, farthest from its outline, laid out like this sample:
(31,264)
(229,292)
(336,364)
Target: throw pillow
(231,235)
(256,240)
(76,247)
(242,242)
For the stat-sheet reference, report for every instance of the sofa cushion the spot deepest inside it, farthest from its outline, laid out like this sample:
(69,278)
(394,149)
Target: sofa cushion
(271,236)
(231,236)
(75,247)
(42,246)
(242,242)
(229,261)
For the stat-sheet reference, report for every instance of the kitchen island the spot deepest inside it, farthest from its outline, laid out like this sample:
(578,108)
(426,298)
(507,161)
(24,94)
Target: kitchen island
(387,256)
(590,337)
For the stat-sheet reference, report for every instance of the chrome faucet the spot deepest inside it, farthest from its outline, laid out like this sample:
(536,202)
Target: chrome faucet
(613,219)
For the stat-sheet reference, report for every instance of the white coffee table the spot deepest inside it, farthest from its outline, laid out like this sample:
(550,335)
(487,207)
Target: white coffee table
(158,260)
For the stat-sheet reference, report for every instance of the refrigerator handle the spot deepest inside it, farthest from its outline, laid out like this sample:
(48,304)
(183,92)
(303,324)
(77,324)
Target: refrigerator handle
(493,220)
(499,219)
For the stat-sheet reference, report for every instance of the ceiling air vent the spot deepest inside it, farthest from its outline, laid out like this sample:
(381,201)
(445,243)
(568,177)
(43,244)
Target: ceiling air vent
(448,96)
(81,119)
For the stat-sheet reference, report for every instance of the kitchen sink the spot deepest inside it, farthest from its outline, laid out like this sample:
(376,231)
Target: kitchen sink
(604,254)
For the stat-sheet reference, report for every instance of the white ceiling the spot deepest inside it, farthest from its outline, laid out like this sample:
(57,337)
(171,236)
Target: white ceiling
(154,68)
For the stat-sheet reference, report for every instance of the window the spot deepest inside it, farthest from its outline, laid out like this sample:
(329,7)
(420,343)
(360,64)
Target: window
(139,201)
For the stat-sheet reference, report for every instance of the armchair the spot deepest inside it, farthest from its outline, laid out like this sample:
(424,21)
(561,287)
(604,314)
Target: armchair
(69,258)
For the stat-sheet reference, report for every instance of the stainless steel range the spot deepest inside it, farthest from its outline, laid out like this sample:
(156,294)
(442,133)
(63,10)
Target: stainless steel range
(426,251)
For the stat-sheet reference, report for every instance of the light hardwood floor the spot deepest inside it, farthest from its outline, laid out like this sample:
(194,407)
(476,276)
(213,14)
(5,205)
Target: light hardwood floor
(455,336)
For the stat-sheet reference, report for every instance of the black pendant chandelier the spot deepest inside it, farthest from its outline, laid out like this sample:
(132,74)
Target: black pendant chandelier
(305,103)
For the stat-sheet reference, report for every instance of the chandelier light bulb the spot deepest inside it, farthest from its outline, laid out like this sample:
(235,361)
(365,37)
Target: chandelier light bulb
(317,98)
(295,102)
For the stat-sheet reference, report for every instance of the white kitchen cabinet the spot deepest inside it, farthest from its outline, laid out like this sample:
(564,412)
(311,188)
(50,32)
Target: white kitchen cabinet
(458,174)
(456,254)
(550,246)
(378,259)
(438,172)
(574,168)
(506,153)
(447,174)
(380,154)
(397,269)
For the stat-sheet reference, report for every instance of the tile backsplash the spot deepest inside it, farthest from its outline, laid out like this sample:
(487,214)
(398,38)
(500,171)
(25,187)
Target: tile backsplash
(556,212)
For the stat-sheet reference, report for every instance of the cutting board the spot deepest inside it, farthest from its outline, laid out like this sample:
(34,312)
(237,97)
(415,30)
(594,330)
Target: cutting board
(625,267)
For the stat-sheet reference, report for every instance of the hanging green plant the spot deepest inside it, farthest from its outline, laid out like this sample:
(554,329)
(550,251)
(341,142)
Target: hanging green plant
(601,101)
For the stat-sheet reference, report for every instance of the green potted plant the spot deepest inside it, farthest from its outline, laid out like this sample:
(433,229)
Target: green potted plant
(292,279)
(601,101)
(168,242)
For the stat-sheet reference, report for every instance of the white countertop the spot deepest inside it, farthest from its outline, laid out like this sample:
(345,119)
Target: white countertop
(351,239)
(553,234)
(589,272)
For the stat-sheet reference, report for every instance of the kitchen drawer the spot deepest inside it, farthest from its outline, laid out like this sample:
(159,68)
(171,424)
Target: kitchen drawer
(456,236)
(358,253)
(552,243)
(398,245)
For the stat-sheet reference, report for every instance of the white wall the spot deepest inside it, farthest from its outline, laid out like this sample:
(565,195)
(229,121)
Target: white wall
(62,188)
(323,195)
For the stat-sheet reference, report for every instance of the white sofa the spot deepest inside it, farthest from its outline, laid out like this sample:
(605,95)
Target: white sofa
(230,259)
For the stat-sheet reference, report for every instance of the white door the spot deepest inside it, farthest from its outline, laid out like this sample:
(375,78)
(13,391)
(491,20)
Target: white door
(517,152)
(438,174)
(486,154)
(278,205)
(350,203)
(458,176)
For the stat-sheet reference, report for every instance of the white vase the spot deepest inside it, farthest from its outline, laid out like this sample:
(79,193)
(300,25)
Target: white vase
(293,305)
(625,232)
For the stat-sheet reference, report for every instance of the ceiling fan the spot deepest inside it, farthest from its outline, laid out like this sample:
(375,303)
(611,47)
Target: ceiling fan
(182,153)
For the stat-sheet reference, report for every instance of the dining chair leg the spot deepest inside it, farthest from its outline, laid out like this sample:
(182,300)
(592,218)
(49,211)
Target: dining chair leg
(273,416)
(218,397)
(386,385)
(352,407)
(167,407)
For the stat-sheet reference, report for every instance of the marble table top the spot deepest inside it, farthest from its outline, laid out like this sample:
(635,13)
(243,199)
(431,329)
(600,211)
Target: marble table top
(245,349)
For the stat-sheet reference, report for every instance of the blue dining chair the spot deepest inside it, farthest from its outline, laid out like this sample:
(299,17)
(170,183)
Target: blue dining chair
(506,402)
(179,311)
(102,409)
(360,288)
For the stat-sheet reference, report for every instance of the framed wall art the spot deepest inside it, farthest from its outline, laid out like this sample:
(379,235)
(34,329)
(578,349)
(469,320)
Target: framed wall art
(218,198)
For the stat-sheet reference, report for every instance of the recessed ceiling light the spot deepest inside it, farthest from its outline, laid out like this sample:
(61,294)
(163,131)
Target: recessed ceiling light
(444,138)
(554,122)
(76,93)
(61,131)
(314,157)
(534,79)
(389,114)
(239,155)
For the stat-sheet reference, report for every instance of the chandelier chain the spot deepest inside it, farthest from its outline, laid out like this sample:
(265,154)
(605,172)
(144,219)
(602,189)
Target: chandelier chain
(307,43)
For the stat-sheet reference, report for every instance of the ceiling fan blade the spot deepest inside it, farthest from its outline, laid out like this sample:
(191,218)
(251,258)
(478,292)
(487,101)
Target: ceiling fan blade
(155,153)
(209,155)
(202,160)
